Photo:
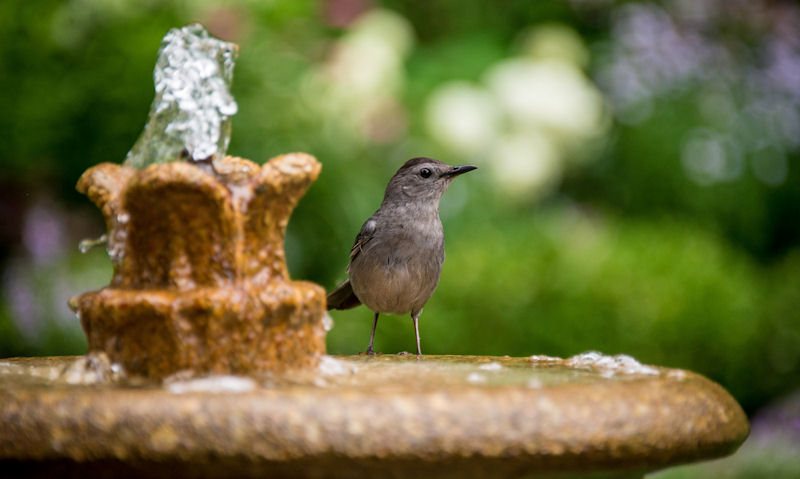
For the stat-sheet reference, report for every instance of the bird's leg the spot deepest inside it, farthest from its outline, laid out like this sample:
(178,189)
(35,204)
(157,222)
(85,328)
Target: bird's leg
(371,351)
(415,319)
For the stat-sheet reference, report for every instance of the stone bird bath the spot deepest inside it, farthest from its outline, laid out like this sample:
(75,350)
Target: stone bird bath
(206,360)
(357,416)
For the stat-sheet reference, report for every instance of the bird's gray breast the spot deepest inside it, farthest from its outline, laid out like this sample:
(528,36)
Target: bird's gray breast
(398,269)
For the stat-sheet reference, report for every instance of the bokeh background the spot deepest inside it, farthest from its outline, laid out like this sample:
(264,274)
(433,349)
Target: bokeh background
(638,190)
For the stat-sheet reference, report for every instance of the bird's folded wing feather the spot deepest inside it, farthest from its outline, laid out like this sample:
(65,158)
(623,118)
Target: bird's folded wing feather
(343,296)
(364,236)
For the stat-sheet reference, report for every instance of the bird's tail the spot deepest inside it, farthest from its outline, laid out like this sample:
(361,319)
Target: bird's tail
(343,297)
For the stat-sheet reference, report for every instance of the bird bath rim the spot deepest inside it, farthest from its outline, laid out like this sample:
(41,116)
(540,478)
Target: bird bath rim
(380,414)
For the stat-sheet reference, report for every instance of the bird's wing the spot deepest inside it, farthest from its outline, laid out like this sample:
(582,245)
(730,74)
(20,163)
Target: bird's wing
(364,236)
(342,297)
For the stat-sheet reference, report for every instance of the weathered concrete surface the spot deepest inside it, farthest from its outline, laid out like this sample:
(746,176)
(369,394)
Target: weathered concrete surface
(389,416)
(200,280)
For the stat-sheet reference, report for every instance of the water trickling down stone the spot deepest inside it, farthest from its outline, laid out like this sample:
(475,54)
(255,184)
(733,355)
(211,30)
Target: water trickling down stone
(87,244)
(190,114)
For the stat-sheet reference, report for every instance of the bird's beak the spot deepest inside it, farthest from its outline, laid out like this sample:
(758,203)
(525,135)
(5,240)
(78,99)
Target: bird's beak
(457,170)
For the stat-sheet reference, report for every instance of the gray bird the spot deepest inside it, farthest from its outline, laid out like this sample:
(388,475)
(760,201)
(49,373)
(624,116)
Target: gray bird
(396,260)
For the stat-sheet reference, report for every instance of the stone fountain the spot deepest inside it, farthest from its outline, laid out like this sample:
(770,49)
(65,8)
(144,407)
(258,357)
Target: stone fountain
(200,282)
(206,360)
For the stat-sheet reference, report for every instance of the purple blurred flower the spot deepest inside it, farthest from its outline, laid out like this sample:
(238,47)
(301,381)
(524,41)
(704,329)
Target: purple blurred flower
(746,53)
(44,232)
(26,311)
(779,419)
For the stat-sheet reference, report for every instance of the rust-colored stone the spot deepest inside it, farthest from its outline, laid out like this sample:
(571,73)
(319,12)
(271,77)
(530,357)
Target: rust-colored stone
(382,416)
(200,280)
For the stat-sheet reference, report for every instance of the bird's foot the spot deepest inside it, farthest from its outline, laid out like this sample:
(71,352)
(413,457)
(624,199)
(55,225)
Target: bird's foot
(403,353)
(370,351)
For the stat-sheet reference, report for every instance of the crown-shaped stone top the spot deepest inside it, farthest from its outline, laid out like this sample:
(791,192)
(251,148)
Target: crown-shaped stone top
(177,226)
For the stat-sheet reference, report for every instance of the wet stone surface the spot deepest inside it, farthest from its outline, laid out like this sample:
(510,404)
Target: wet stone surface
(442,416)
(200,280)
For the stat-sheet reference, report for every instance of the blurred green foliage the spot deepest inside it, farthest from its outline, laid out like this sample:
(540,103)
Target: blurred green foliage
(626,255)
(640,177)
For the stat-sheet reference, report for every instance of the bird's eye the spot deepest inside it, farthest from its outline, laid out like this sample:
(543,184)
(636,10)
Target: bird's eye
(425,173)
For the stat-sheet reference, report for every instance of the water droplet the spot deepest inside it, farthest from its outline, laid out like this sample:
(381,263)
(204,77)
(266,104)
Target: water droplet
(88,243)
(327,322)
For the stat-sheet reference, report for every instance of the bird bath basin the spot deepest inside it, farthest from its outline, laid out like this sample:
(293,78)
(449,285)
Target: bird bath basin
(207,360)
(353,416)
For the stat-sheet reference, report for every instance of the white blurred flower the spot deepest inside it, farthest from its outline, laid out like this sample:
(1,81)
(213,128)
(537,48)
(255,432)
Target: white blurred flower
(526,165)
(368,59)
(388,27)
(555,42)
(548,94)
(360,83)
(528,116)
(462,117)
(362,64)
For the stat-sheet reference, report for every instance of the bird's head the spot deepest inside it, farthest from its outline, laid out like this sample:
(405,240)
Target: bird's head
(421,179)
